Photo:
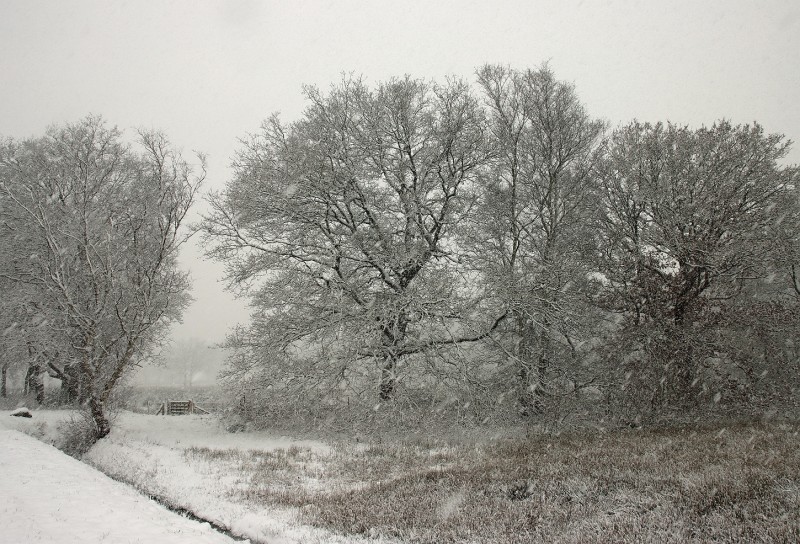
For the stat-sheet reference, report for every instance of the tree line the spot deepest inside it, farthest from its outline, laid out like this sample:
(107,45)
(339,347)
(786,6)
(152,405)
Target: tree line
(414,242)
(487,248)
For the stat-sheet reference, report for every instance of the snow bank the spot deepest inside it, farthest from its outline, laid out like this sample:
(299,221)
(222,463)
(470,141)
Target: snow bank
(153,453)
(47,496)
(43,424)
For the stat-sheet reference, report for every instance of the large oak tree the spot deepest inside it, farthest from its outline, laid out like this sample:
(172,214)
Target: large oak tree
(340,226)
(529,237)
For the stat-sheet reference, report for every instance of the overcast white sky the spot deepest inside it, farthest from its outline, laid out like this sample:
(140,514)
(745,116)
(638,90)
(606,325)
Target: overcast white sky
(208,72)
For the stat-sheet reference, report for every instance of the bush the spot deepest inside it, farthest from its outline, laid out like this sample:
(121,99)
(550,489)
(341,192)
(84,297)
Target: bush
(77,434)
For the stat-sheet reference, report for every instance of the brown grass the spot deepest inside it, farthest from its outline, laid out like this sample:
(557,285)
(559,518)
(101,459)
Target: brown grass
(736,484)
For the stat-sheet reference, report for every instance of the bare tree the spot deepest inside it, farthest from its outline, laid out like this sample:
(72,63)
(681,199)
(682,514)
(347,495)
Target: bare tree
(339,226)
(106,222)
(531,230)
(11,333)
(27,320)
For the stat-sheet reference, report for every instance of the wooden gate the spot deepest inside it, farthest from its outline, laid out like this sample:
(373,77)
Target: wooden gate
(179,408)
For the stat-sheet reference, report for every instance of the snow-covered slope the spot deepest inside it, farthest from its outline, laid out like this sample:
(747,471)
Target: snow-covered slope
(154,454)
(47,496)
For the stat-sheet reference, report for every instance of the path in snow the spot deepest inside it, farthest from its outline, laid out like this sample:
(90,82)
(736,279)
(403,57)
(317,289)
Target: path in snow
(47,496)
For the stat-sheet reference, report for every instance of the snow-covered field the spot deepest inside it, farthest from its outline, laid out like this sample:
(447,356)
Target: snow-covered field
(154,454)
(47,496)
(44,425)
(736,483)
(156,450)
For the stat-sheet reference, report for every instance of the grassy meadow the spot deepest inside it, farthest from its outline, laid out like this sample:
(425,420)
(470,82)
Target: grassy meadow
(739,483)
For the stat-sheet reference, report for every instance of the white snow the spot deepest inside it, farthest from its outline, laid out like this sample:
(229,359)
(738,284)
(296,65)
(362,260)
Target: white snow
(21,412)
(156,455)
(47,496)
(153,453)
(202,431)
(43,424)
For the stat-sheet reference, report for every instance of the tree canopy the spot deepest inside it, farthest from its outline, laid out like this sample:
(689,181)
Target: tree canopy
(91,234)
(504,243)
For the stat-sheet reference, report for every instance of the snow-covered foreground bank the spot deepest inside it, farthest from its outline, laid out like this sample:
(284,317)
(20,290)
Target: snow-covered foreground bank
(154,453)
(47,496)
(44,425)
(735,483)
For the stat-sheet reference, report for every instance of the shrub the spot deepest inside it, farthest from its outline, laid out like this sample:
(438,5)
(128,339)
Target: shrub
(77,434)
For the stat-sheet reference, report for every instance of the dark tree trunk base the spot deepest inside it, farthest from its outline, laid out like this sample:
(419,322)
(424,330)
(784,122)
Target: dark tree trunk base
(100,419)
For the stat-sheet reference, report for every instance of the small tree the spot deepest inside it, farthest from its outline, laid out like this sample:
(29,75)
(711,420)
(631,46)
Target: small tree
(104,221)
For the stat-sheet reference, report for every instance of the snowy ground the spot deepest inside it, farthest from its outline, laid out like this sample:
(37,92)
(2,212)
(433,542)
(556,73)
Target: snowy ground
(47,496)
(726,484)
(204,431)
(44,424)
(154,453)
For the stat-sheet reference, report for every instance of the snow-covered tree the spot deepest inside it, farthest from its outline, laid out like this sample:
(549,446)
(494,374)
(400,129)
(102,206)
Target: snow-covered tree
(688,233)
(103,222)
(18,326)
(529,236)
(339,226)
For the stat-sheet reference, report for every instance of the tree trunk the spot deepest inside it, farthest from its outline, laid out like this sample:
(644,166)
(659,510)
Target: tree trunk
(83,388)
(543,365)
(684,349)
(68,377)
(534,356)
(39,386)
(685,371)
(388,378)
(70,385)
(73,380)
(527,377)
(34,382)
(393,332)
(3,389)
(103,425)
